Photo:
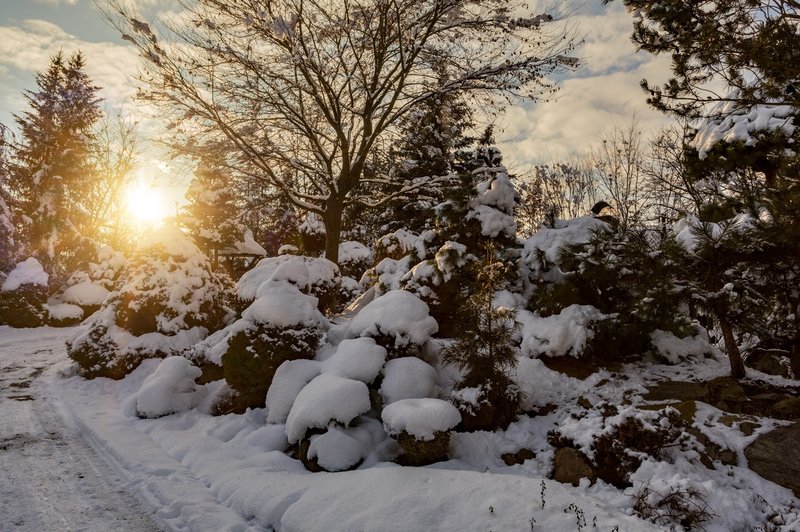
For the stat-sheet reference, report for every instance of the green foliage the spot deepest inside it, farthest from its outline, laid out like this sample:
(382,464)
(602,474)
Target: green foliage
(484,352)
(630,277)
(254,355)
(24,307)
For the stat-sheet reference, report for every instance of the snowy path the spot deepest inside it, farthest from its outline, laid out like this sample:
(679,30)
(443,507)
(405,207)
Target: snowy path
(51,479)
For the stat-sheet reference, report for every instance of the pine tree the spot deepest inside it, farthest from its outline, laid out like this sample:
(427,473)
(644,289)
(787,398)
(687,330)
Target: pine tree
(53,164)
(486,395)
(8,241)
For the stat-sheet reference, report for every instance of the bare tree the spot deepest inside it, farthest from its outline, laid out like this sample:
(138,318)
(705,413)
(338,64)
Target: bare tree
(672,192)
(114,153)
(563,189)
(300,91)
(620,164)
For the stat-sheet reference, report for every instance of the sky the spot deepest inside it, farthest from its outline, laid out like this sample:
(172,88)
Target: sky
(604,92)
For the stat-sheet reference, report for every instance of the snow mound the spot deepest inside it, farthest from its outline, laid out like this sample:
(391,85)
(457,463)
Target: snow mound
(675,349)
(420,417)
(282,304)
(360,359)
(85,294)
(289,379)
(561,334)
(65,311)
(170,389)
(325,399)
(29,271)
(306,273)
(352,251)
(407,378)
(171,241)
(336,450)
(398,314)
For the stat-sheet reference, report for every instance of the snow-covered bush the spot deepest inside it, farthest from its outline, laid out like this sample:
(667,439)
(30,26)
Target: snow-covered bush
(398,321)
(407,378)
(421,428)
(170,389)
(23,295)
(316,277)
(281,324)
(312,235)
(354,259)
(170,300)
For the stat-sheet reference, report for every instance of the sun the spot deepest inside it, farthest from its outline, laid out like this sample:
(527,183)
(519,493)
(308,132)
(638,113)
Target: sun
(146,204)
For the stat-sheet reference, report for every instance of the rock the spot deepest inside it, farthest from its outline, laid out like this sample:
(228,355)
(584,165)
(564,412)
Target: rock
(584,402)
(570,466)
(681,391)
(687,409)
(776,457)
(748,427)
(518,457)
(769,364)
(788,408)
(726,390)
(578,369)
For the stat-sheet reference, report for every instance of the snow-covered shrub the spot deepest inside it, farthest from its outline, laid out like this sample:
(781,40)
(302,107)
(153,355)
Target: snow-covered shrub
(360,359)
(23,295)
(354,259)
(326,399)
(421,428)
(170,300)
(64,314)
(398,320)
(281,324)
(316,277)
(615,288)
(312,235)
(289,379)
(402,243)
(407,378)
(170,389)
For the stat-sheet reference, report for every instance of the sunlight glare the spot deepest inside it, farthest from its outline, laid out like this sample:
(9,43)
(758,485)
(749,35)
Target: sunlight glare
(146,204)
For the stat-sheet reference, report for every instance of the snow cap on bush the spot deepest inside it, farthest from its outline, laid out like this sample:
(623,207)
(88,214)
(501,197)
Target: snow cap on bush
(27,272)
(170,389)
(399,315)
(421,418)
(360,359)
(407,378)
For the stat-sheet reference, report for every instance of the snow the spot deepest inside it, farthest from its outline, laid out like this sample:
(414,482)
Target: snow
(325,399)
(281,304)
(399,314)
(64,311)
(730,123)
(29,271)
(561,334)
(352,251)
(360,359)
(247,246)
(289,379)
(421,418)
(169,389)
(85,294)
(547,242)
(674,349)
(494,206)
(305,273)
(172,241)
(336,450)
(449,258)
(407,378)
(403,242)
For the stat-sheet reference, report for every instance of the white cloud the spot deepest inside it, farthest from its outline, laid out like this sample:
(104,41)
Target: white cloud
(57,2)
(28,48)
(603,93)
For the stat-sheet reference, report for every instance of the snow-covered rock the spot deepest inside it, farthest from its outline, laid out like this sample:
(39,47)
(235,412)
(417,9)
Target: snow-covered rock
(421,418)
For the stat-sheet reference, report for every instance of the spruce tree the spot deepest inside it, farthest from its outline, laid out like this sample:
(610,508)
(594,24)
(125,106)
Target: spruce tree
(8,240)
(53,163)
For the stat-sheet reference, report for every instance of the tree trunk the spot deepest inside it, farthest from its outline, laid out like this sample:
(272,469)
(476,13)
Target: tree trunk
(332,218)
(737,365)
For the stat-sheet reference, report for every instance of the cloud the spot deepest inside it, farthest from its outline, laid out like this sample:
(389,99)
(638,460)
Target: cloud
(27,48)
(57,2)
(603,93)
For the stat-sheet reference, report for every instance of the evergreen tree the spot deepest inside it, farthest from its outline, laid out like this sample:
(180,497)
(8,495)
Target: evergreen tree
(53,165)
(8,241)
(211,215)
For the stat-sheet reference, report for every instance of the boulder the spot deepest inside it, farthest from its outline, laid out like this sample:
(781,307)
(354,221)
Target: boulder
(570,466)
(776,457)
(678,390)
(788,408)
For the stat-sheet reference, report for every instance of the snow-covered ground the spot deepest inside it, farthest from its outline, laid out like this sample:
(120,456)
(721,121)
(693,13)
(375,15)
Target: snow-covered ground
(193,471)
(51,479)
